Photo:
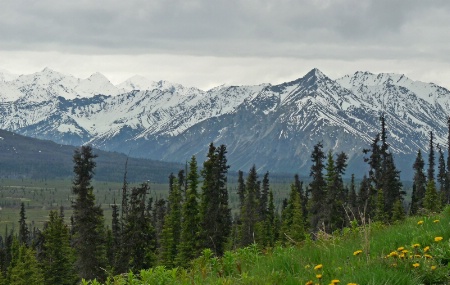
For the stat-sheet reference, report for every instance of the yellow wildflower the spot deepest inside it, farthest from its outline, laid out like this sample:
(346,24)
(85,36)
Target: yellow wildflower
(357,252)
(400,248)
(425,249)
(309,282)
(416,265)
(402,255)
(394,253)
(417,256)
(427,256)
(436,221)
(352,284)
(438,239)
(433,267)
(318,266)
(420,222)
(319,276)
(416,245)
(335,281)
(307,266)
(405,251)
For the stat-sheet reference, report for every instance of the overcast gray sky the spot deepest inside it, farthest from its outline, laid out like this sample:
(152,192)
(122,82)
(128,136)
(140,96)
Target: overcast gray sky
(206,43)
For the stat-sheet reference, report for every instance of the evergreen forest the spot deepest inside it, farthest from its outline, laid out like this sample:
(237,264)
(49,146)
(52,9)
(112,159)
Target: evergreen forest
(194,233)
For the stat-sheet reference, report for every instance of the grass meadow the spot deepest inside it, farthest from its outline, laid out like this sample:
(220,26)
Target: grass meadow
(415,251)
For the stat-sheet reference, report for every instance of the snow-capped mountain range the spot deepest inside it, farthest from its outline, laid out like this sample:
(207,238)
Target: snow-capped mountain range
(272,126)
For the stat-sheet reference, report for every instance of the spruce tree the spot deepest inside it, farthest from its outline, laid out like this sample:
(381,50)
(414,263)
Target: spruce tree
(303,198)
(224,221)
(182,183)
(89,232)
(431,158)
(171,232)
(317,188)
(293,227)
(24,232)
(380,214)
(375,165)
(364,200)
(250,212)
(431,201)
(124,195)
(331,192)
(334,212)
(158,217)
(116,232)
(215,213)
(26,269)
(442,174)
(270,223)
(264,197)
(382,174)
(398,212)
(352,199)
(392,186)
(189,248)
(241,189)
(7,251)
(57,258)
(419,184)
(138,248)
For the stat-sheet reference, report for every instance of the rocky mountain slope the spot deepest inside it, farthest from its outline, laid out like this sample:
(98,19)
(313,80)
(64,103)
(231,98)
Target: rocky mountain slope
(273,126)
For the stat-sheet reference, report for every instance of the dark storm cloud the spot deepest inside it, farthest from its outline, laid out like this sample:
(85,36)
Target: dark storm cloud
(316,29)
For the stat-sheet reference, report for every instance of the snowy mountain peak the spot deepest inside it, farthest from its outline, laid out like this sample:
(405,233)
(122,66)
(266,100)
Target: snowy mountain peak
(6,76)
(365,83)
(136,82)
(314,75)
(96,84)
(48,70)
(97,76)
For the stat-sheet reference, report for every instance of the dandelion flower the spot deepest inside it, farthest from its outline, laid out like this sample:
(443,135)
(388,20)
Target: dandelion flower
(357,252)
(416,245)
(400,248)
(307,266)
(352,284)
(433,267)
(427,256)
(436,221)
(319,276)
(438,239)
(425,249)
(393,254)
(415,265)
(335,281)
(405,251)
(318,266)
(420,223)
(417,256)
(309,282)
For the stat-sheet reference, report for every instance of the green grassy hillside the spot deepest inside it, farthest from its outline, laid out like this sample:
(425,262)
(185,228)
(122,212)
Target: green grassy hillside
(415,251)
